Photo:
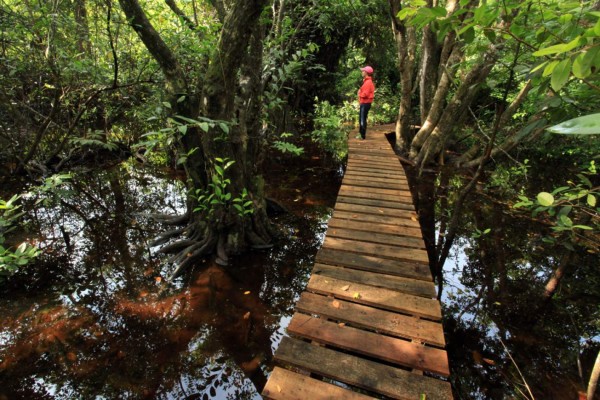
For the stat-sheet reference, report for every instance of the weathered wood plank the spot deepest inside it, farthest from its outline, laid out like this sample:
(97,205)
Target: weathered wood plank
(288,385)
(386,348)
(375,203)
(408,231)
(377,249)
(400,284)
(389,381)
(387,159)
(372,165)
(398,193)
(374,264)
(383,211)
(377,297)
(373,319)
(375,236)
(377,219)
(400,197)
(372,183)
(356,171)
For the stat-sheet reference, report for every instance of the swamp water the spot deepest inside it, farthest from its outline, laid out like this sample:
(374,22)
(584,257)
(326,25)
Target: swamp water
(94,320)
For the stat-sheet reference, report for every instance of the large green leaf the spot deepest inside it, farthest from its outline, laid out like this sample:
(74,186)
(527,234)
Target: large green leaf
(545,199)
(561,73)
(586,125)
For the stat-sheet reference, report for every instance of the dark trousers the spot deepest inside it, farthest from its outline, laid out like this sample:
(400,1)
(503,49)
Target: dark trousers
(362,119)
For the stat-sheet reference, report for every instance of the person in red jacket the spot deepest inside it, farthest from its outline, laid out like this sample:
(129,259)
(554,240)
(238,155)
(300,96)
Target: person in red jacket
(365,98)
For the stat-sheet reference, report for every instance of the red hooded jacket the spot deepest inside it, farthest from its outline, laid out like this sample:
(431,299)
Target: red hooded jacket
(366,91)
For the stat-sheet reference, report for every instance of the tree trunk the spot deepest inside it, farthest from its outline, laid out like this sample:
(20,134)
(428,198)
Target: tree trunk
(406,42)
(84,46)
(230,92)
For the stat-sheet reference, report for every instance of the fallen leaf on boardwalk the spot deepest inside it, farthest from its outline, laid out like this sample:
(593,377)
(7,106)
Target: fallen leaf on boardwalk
(345,288)
(354,215)
(247,292)
(279,388)
(357,295)
(381,211)
(341,324)
(414,218)
(247,315)
(335,304)
(488,361)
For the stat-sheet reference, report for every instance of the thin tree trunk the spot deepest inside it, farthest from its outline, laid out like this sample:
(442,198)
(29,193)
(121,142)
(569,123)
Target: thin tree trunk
(557,276)
(406,42)
(594,379)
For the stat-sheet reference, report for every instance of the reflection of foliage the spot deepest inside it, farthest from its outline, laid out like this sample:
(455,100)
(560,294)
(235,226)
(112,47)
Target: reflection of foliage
(495,292)
(572,209)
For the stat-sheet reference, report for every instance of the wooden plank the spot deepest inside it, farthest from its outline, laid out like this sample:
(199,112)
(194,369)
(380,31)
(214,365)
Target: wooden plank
(377,249)
(375,202)
(373,236)
(377,219)
(400,284)
(375,177)
(401,197)
(377,297)
(375,173)
(389,381)
(380,161)
(409,231)
(392,192)
(372,182)
(374,264)
(288,385)
(372,165)
(383,211)
(373,319)
(386,348)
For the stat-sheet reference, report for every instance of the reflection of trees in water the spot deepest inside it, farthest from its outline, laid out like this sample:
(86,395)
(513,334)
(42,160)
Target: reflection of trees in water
(500,295)
(96,325)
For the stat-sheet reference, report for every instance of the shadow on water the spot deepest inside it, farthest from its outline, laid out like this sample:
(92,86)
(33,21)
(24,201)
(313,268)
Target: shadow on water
(93,318)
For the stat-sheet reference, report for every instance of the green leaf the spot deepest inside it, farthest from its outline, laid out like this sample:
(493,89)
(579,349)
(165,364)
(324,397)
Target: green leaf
(557,48)
(591,200)
(182,129)
(566,221)
(584,227)
(545,199)
(560,75)
(550,68)
(586,125)
(203,126)
(182,98)
(581,68)
(224,127)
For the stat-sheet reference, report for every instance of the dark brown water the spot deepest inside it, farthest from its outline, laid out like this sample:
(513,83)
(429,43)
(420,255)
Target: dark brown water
(94,319)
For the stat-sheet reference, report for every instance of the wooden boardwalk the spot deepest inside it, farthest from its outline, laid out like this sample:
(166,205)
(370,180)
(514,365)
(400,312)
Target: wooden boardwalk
(368,324)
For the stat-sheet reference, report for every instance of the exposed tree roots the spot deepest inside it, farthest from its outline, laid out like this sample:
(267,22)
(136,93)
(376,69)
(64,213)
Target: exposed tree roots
(197,239)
